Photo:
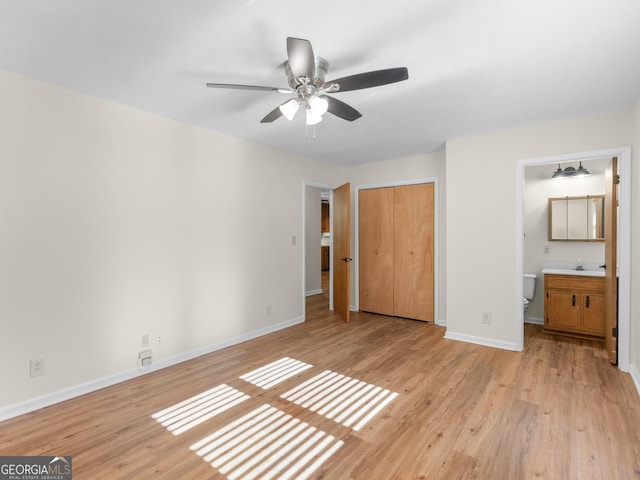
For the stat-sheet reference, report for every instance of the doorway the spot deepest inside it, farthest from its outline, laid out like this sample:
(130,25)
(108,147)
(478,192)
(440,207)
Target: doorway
(624,237)
(315,280)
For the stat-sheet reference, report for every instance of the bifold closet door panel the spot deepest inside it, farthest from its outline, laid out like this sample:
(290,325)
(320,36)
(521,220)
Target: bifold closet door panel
(413,246)
(375,250)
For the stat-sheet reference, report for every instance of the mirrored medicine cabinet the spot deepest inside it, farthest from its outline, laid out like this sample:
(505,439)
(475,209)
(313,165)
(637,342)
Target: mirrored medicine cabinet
(576,219)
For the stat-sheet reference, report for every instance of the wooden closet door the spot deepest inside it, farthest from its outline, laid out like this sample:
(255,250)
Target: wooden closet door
(413,246)
(375,250)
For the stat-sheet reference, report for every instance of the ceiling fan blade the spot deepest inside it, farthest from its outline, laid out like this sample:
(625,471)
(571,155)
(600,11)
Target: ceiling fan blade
(273,115)
(302,61)
(342,110)
(370,79)
(250,87)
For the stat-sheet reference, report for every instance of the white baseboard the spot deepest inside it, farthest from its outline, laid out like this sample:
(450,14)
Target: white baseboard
(534,320)
(487,342)
(635,375)
(441,323)
(93,385)
(313,292)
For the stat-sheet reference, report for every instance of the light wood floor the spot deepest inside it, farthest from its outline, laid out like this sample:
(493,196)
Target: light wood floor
(558,410)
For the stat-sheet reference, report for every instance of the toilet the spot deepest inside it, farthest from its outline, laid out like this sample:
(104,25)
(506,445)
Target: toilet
(529,288)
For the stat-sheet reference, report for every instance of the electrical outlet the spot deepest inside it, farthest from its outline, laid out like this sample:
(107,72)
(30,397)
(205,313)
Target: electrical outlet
(145,358)
(144,341)
(268,310)
(486,318)
(159,339)
(37,367)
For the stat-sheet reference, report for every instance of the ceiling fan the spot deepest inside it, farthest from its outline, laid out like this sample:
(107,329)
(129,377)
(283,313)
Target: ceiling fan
(306,77)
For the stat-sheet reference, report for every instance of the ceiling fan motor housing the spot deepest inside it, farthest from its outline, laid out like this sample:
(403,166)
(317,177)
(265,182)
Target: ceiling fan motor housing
(321,68)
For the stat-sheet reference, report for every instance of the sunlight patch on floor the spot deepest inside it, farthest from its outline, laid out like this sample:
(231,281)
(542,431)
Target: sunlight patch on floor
(193,411)
(267,443)
(345,400)
(275,372)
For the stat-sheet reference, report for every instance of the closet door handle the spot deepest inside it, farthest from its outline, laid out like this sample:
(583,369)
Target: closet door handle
(587,302)
(573,301)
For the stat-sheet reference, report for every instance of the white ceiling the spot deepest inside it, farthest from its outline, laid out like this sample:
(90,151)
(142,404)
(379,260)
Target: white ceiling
(475,66)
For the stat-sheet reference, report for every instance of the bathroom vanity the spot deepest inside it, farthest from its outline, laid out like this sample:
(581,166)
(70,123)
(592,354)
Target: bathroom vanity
(574,303)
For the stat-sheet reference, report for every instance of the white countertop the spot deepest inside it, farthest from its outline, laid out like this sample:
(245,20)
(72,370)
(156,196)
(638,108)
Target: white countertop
(579,273)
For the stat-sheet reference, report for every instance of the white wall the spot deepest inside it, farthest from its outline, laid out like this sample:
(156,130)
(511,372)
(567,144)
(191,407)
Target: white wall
(115,223)
(401,170)
(313,232)
(539,187)
(481,216)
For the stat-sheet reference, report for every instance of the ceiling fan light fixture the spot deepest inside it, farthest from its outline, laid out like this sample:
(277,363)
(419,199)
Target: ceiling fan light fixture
(290,108)
(312,118)
(318,105)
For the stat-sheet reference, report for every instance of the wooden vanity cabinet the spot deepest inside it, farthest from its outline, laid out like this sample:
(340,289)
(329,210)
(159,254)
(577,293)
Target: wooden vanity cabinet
(325,258)
(324,218)
(574,305)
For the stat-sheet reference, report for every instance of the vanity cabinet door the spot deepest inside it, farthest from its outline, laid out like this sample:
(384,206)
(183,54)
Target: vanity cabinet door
(593,313)
(574,305)
(324,257)
(563,311)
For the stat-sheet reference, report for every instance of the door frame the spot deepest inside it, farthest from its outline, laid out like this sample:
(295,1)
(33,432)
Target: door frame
(624,241)
(436,237)
(320,186)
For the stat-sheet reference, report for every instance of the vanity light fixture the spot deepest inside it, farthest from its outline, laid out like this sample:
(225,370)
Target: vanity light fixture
(571,172)
(581,172)
(558,173)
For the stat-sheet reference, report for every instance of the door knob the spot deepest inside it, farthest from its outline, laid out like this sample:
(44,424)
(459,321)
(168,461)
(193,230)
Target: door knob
(347,259)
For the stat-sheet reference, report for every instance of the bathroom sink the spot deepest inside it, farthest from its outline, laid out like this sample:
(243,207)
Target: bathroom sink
(566,271)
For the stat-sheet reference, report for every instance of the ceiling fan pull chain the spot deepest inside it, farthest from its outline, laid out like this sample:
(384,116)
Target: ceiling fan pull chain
(313,132)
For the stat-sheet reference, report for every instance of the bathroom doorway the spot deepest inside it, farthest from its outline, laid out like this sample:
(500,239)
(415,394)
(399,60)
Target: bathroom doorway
(535,250)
